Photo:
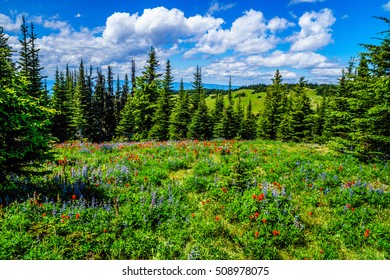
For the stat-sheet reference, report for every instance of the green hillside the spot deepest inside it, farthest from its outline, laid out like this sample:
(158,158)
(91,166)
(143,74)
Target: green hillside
(258,98)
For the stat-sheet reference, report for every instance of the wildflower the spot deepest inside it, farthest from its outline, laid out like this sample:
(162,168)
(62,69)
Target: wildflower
(208,200)
(367,233)
(77,216)
(62,221)
(275,232)
(321,251)
(251,217)
(340,168)
(321,189)
(256,234)
(217,218)
(193,215)
(105,230)
(261,197)
(256,215)
(224,189)
(310,213)
(74,197)
(202,202)
(254,196)
(44,215)
(264,221)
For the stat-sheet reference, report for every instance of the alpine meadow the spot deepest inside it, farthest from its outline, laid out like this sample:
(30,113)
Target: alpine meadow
(116,163)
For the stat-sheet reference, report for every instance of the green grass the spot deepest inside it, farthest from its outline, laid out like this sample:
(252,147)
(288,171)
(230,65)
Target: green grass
(198,200)
(257,99)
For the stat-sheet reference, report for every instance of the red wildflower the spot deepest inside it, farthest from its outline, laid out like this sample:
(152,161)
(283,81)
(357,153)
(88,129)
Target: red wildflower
(193,215)
(208,200)
(275,183)
(254,196)
(217,218)
(340,168)
(367,233)
(224,189)
(348,205)
(136,173)
(321,189)
(105,230)
(77,216)
(310,213)
(321,251)
(74,197)
(145,178)
(202,202)
(264,221)
(44,215)
(256,234)
(353,209)
(275,232)
(261,197)
(251,217)
(256,215)
(63,221)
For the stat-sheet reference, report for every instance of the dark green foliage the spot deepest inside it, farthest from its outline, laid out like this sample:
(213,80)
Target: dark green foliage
(199,127)
(198,88)
(24,122)
(60,102)
(273,108)
(248,128)
(160,128)
(181,116)
(29,65)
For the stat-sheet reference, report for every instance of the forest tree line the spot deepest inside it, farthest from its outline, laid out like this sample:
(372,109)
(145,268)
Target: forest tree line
(90,105)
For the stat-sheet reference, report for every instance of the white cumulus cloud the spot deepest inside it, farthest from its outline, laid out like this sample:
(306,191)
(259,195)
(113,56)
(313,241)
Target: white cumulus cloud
(249,34)
(315,31)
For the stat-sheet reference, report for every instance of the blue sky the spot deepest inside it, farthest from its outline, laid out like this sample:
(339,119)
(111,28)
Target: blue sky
(247,39)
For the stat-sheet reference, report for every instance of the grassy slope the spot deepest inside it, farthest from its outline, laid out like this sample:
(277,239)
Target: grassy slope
(258,99)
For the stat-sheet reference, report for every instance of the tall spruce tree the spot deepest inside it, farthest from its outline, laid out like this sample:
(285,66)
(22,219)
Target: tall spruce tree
(272,112)
(24,134)
(199,127)
(198,88)
(60,103)
(181,115)
(248,128)
(160,128)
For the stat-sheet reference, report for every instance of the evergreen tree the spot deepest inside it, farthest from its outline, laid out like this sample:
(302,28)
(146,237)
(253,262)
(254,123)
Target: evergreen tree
(125,127)
(181,116)
(60,103)
(160,128)
(199,127)
(198,88)
(248,129)
(98,127)
(272,112)
(6,66)
(133,77)
(217,115)
(117,101)
(109,121)
(142,111)
(24,122)
(239,118)
(228,128)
